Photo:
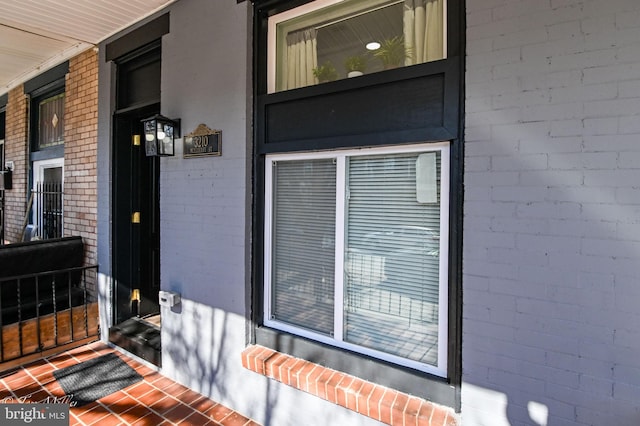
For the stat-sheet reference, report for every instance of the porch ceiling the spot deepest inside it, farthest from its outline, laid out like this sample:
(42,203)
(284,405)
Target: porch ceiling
(36,35)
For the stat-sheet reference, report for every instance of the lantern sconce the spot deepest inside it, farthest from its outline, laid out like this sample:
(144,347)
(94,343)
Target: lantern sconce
(159,135)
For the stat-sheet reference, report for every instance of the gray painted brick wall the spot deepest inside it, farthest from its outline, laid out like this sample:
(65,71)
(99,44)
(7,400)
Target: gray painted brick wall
(552,213)
(202,200)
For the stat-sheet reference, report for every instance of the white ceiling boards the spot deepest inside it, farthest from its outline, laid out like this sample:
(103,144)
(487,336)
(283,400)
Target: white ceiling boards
(36,35)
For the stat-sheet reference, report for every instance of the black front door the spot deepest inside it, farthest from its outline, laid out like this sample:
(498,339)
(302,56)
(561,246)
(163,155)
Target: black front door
(136,202)
(136,220)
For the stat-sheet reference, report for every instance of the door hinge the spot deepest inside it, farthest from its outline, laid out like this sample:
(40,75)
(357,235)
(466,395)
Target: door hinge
(136,140)
(135,217)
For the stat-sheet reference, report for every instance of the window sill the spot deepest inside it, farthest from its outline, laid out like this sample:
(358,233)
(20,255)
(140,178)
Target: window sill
(378,402)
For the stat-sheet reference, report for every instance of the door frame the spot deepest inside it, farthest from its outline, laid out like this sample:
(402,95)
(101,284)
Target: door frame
(37,175)
(135,185)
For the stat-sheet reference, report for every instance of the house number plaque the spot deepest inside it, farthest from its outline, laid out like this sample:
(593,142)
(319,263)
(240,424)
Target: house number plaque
(202,141)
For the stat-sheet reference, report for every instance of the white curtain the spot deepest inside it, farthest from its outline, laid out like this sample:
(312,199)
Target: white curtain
(302,58)
(423,30)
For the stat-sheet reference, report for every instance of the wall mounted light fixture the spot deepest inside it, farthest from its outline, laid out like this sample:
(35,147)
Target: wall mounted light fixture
(159,134)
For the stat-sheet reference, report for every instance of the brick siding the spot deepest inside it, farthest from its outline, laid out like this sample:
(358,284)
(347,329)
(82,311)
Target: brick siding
(378,402)
(15,145)
(551,230)
(80,151)
(80,147)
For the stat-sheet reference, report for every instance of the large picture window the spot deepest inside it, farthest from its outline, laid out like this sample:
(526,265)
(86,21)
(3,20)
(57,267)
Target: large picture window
(329,39)
(356,247)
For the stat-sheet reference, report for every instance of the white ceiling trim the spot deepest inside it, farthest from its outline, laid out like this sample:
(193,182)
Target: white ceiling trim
(36,35)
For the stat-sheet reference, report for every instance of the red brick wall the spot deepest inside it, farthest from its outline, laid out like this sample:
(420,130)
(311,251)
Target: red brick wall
(81,138)
(15,146)
(80,150)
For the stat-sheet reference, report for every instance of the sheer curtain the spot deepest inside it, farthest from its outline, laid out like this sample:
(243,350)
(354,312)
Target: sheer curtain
(302,58)
(423,30)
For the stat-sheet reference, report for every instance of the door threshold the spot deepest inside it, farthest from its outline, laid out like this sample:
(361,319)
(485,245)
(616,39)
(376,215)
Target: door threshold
(153,319)
(140,337)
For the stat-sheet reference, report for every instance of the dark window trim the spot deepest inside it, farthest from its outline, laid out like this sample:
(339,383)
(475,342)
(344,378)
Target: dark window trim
(47,79)
(444,391)
(52,89)
(449,130)
(137,38)
(4,99)
(149,53)
(3,116)
(47,153)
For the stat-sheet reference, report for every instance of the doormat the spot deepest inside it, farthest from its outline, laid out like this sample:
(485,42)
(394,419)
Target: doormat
(96,378)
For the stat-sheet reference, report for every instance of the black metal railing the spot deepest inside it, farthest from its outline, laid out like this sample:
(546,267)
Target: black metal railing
(42,311)
(47,202)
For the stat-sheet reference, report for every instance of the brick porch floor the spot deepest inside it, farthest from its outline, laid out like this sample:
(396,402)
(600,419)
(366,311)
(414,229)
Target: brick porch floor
(156,400)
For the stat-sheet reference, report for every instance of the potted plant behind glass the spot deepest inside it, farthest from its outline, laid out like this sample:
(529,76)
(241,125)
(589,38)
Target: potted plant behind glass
(325,72)
(392,52)
(355,65)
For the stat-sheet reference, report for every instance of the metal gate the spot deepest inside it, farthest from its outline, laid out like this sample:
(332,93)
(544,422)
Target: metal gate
(47,205)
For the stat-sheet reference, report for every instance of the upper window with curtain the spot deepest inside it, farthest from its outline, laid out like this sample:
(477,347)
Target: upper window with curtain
(328,40)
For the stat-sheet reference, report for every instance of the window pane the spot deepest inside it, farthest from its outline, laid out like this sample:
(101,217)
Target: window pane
(393,255)
(354,37)
(303,243)
(51,121)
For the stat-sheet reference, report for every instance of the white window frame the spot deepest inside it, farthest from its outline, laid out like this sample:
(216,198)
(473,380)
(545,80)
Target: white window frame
(336,340)
(38,176)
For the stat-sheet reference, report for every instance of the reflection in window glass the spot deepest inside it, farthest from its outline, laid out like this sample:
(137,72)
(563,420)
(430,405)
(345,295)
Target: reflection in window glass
(392,270)
(355,37)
